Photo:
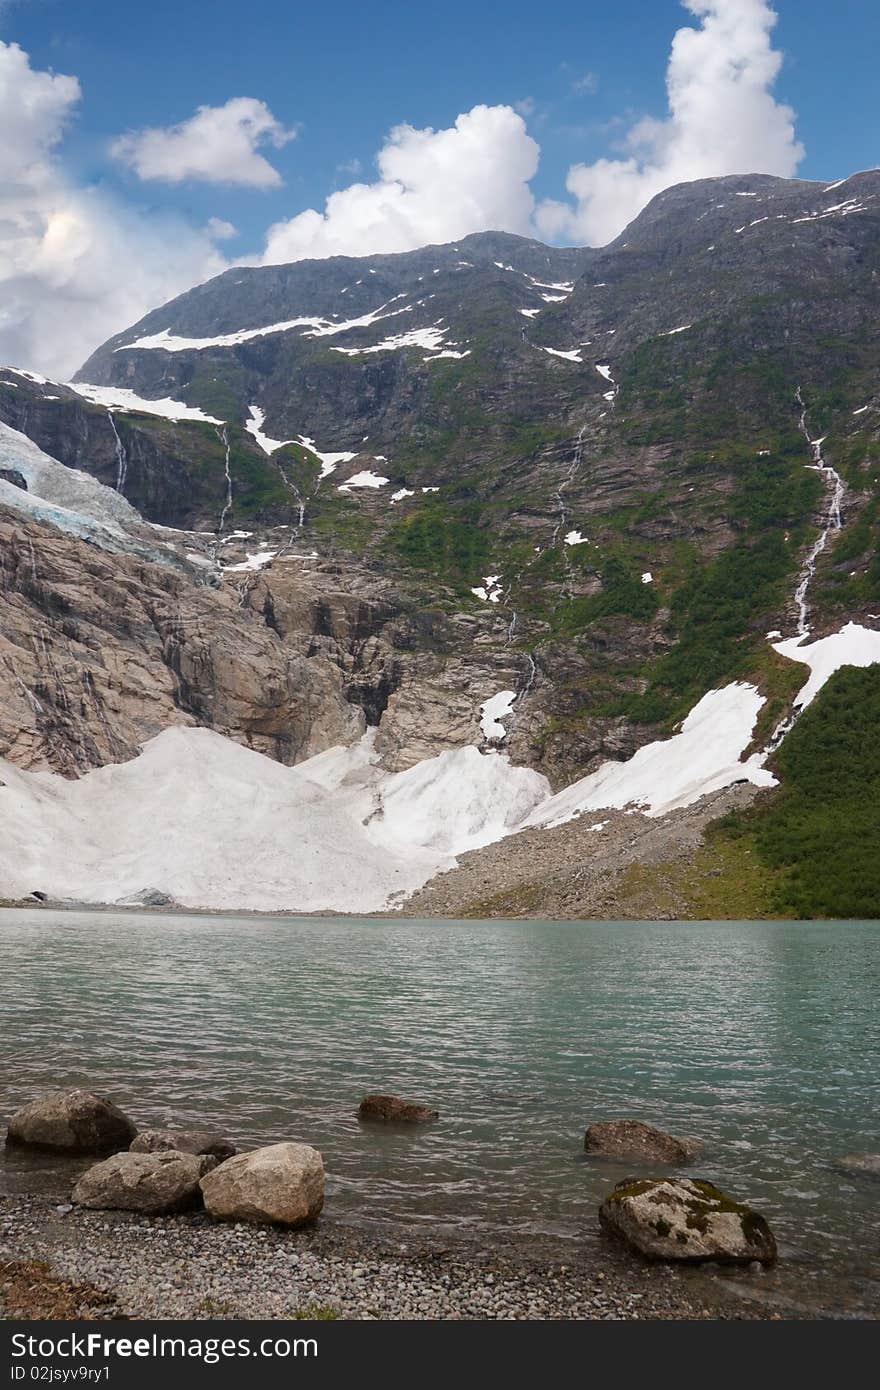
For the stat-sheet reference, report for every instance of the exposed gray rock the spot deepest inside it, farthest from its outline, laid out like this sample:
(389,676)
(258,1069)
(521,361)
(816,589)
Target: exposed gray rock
(186,1141)
(71,1122)
(686,1219)
(637,1142)
(391,1108)
(281,1184)
(152,1183)
(12,475)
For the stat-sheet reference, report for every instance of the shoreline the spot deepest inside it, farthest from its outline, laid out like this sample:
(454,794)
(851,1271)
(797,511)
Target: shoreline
(76,1263)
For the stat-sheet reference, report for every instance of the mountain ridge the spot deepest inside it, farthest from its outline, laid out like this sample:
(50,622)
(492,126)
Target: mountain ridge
(590,494)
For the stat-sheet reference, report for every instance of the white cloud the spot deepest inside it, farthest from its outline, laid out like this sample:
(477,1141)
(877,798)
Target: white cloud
(219,144)
(585,85)
(218,229)
(75,267)
(722,119)
(433,186)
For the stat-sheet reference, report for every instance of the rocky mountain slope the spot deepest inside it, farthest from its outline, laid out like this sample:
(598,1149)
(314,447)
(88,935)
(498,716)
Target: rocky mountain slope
(492,494)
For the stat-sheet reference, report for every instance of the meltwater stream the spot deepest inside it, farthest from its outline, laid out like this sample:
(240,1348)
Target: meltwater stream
(760,1039)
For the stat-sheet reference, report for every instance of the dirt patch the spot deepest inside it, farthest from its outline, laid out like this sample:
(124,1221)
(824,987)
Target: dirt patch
(29,1289)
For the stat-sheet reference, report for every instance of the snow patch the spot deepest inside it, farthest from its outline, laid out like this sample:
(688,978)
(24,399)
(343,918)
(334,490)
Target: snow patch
(120,398)
(216,825)
(573,355)
(493,711)
(575,538)
(490,589)
(853,645)
(366,478)
(255,561)
(704,757)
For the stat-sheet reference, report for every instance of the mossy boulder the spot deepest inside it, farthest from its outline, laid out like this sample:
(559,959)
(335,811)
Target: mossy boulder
(685,1219)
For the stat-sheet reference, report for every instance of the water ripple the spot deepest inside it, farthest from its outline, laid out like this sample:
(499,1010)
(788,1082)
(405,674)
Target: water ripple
(761,1039)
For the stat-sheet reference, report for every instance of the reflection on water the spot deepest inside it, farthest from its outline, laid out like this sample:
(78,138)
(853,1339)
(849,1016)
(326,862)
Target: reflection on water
(761,1039)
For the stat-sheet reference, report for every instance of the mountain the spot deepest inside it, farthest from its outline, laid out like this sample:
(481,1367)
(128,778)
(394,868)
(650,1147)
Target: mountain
(492,493)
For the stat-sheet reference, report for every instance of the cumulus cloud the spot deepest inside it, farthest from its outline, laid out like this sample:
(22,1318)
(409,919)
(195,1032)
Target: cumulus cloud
(219,144)
(723,119)
(433,186)
(75,266)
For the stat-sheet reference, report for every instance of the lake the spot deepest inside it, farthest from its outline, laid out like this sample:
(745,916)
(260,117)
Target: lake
(760,1039)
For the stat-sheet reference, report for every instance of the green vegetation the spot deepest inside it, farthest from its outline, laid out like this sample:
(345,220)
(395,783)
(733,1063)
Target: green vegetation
(623,594)
(316,1312)
(444,537)
(820,831)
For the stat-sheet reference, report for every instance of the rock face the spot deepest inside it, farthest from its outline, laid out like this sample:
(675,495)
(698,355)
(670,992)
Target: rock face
(108,650)
(12,475)
(152,1183)
(281,1184)
(185,1141)
(391,1108)
(859,1165)
(686,1219)
(71,1122)
(637,1142)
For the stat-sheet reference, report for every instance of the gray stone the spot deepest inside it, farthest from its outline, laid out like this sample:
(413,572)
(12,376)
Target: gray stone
(686,1219)
(186,1141)
(281,1184)
(71,1122)
(391,1108)
(152,1183)
(636,1142)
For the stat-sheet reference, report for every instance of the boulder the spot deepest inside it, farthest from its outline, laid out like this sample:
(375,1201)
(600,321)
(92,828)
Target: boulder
(686,1219)
(71,1122)
(152,1183)
(282,1183)
(635,1142)
(391,1108)
(859,1165)
(185,1141)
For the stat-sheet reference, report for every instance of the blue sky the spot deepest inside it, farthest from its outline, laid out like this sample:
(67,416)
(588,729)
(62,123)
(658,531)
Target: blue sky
(344,73)
(580,75)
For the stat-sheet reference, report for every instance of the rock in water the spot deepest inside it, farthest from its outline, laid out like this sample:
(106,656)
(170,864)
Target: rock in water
(859,1165)
(389,1108)
(686,1219)
(152,1183)
(185,1141)
(282,1183)
(71,1122)
(637,1142)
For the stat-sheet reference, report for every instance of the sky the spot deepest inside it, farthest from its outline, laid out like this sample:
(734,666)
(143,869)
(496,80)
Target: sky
(152,148)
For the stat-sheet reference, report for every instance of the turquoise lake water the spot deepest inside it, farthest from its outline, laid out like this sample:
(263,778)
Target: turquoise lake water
(762,1040)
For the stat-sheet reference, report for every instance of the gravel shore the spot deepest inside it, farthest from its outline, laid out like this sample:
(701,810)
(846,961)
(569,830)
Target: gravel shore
(76,1263)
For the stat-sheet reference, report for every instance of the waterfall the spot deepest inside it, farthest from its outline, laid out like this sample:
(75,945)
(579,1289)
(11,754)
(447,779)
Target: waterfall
(558,496)
(300,501)
(224,438)
(121,456)
(832,520)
